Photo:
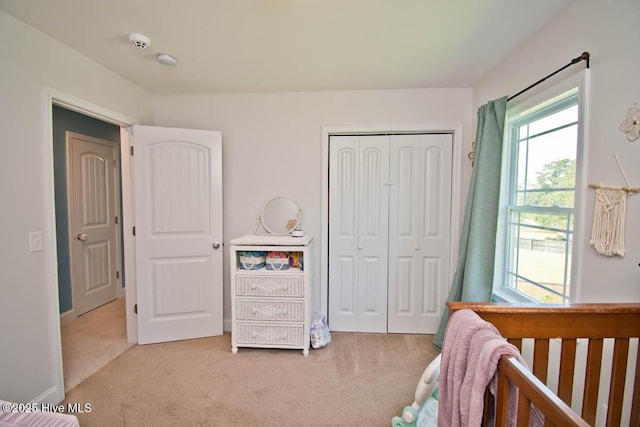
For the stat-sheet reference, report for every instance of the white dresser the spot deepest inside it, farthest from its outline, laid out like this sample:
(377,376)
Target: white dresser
(270,308)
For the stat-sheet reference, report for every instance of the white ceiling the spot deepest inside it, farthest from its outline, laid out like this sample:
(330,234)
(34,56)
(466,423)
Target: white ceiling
(293,45)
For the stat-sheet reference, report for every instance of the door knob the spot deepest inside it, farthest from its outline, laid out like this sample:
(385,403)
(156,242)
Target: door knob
(81,236)
(216,245)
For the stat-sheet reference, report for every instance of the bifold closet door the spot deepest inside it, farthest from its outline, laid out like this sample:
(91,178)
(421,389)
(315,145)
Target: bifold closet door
(358,232)
(389,232)
(419,231)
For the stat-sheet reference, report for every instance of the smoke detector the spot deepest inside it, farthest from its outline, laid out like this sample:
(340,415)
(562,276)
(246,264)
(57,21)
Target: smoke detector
(166,59)
(139,40)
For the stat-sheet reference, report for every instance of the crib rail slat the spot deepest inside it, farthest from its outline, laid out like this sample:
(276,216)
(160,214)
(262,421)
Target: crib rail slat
(485,414)
(616,389)
(541,359)
(502,395)
(524,410)
(567,369)
(592,380)
(635,406)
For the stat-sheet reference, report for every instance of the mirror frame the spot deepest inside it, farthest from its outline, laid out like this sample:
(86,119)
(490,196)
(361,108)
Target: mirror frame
(269,229)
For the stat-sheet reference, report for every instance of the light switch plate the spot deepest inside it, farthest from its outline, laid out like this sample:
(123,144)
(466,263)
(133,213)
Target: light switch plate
(35,241)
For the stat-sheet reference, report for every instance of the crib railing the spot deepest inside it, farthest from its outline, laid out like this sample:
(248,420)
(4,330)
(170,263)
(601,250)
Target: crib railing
(531,392)
(569,323)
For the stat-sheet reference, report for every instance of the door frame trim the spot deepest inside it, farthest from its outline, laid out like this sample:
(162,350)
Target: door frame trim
(50,97)
(456,180)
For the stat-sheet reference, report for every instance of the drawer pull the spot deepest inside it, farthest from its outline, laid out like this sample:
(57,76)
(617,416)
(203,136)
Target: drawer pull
(254,310)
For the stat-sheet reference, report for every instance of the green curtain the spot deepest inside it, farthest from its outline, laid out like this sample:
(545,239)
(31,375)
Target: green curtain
(473,280)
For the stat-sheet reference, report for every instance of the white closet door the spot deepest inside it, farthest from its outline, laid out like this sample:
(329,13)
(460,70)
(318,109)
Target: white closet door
(358,233)
(419,231)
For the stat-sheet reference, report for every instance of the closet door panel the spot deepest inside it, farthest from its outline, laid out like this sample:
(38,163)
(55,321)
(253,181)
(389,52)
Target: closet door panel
(344,156)
(358,233)
(373,233)
(404,209)
(435,230)
(419,231)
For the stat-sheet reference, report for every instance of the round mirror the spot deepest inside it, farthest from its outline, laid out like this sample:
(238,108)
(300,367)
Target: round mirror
(280,216)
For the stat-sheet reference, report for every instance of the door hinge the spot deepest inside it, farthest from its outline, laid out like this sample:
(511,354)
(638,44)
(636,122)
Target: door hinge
(117,274)
(135,308)
(131,150)
(116,219)
(134,230)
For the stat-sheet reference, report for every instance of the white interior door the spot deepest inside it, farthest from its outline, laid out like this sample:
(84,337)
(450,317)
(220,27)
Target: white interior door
(178,220)
(93,208)
(389,231)
(419,231)
(358,233)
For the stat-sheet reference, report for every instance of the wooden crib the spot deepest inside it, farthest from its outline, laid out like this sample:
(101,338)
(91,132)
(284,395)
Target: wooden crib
(569,324)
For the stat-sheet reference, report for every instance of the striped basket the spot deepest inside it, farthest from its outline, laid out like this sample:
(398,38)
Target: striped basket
(251,260)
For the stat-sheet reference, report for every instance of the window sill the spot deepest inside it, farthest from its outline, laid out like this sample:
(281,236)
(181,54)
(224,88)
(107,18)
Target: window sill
(507,295)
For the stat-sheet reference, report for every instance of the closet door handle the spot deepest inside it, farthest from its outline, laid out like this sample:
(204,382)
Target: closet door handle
(81,236)
(360,247)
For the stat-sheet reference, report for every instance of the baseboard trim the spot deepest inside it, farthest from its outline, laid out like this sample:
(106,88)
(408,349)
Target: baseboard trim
(53,395)
(67,317)
(226,325)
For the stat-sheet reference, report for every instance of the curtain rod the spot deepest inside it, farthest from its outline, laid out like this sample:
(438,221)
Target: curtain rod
(584,57)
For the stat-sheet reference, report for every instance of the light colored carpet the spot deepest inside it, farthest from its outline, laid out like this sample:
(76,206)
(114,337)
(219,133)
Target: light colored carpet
(357,380)
(93,340)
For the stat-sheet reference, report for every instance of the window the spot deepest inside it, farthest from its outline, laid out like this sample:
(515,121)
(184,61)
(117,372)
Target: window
(537,225)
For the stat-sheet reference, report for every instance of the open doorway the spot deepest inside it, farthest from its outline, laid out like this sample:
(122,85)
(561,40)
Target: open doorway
(53,97)
(94,332)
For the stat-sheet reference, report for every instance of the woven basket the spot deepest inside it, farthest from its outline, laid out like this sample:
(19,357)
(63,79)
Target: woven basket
(251,260)
(277,261)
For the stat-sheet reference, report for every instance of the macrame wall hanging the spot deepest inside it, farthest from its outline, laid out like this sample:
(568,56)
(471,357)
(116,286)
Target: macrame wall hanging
(607,233)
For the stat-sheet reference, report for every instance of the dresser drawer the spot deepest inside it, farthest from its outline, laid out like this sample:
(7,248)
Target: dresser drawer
(276,335)
(270,286)
(290,311)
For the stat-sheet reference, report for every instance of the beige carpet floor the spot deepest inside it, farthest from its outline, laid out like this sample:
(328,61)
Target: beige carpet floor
(93,340)
(357,380)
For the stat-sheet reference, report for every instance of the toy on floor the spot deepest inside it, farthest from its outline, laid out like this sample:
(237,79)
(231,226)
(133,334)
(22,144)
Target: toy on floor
(423,412)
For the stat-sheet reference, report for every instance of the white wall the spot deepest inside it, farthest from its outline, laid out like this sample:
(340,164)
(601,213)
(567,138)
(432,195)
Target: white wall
(272,145)
(30,61)
(610,31)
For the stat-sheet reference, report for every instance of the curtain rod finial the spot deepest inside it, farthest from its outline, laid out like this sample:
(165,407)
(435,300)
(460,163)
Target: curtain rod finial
(586,57)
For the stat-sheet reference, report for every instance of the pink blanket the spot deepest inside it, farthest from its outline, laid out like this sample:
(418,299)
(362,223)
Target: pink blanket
(15,415)
(470,354)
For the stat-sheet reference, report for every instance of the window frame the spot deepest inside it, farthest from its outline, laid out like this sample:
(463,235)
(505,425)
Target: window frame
(530,106)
